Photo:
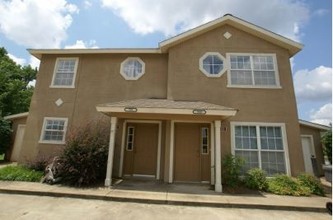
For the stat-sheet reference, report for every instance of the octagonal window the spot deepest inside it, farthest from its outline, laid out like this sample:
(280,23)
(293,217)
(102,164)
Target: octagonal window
(212,64)
(132,68)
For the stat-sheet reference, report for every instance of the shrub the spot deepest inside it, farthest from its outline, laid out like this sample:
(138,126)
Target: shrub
(312,183)
(5,132)
(327,142)
(85,154)
(285,185)
(20,173)
(255,178)
(231,169)
(39,164)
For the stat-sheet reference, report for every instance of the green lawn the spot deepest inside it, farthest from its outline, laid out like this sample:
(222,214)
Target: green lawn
(20,173)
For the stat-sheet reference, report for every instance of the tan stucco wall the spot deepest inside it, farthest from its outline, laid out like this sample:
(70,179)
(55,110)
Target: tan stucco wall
(315,133)
(187,82)
(175,75)
(98,81)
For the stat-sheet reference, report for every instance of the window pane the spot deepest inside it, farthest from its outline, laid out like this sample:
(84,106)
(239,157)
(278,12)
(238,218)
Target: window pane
(239,143)
(241,77)
(54,130)
(213,64)
(250,157)
(64,73)
(273,162)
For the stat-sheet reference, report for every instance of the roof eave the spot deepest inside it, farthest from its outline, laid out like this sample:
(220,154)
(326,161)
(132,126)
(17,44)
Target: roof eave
(39,52)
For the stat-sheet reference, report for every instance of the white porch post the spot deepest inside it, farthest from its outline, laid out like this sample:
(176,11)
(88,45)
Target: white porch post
(108,179)
(218,178)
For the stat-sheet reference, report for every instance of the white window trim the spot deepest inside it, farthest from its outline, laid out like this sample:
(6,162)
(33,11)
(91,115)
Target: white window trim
(127,139)
(212,54)
(208,141)
(52,141)
(276,70)
(55,70)
(132,78)
(258,124)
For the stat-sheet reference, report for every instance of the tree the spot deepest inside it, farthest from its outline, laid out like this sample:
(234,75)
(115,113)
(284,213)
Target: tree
(327,142)
(15,94)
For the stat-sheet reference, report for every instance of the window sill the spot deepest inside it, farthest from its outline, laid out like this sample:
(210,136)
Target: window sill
(52,142)
(253,87)
(62,87)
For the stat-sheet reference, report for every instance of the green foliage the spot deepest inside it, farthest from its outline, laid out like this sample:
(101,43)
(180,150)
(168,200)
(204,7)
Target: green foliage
(231,169)
(327,141)
(285,185)
(255,178)
(39,164)
(85,155)
(20,173)
(312,183)
(5,132)
(15,94)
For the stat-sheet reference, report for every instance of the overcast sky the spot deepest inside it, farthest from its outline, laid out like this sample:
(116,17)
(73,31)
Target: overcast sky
(144,23)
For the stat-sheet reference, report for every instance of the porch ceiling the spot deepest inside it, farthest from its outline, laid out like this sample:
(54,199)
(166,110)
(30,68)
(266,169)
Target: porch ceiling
(165,107)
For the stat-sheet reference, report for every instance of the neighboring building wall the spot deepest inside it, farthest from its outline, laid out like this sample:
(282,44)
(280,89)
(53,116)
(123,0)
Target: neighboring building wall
(187,82)
(15,123)
(315,133)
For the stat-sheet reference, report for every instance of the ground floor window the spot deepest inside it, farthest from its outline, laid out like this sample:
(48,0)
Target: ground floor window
(54,130)
(261,145)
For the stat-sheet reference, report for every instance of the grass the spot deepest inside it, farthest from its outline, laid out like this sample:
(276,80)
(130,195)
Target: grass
(20,173)
(2,156)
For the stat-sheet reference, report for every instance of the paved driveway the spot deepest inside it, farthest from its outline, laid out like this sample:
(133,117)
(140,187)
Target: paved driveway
(38,207)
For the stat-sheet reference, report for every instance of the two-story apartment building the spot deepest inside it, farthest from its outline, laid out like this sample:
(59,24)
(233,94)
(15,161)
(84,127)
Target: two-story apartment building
(176,110)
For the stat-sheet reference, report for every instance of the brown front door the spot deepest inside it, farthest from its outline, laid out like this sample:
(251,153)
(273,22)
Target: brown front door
(141,149)
(191,163)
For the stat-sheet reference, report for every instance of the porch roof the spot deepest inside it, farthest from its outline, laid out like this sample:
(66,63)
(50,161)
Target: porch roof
(166,106)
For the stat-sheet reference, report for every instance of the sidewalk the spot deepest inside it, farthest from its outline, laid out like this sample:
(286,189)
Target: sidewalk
(174,194)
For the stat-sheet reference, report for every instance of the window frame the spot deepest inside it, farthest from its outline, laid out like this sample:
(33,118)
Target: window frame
(202,143)
(127,138)
(56,69)
(259,149)
(276,71)
(122,68)
(202,69)
(41,139)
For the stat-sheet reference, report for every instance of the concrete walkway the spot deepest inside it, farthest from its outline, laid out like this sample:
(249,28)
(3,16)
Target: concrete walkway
(174,194)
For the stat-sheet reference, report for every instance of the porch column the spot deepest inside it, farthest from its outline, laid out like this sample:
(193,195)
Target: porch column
(218,178)
(108,179)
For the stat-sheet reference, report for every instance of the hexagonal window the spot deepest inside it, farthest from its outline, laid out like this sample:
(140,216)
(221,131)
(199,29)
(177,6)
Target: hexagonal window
(212,64)
(132,68)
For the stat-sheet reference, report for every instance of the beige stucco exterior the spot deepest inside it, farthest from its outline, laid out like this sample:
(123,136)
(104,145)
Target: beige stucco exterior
(170,73)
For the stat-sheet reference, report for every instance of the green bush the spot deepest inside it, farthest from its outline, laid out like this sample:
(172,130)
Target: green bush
(285,185)
(327,142)
(39,163)
(5,132)
(84,158)
(20,173)
(255,178)
(312,183)
(231,170)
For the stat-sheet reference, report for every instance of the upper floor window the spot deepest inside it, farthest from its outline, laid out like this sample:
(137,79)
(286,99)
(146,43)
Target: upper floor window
(253,70)
(65,72)
(54,130)
(132,68)
(212,64)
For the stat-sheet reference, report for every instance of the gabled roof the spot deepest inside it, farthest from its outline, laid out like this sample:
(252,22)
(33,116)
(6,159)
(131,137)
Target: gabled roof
(292,46)
(314,125)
